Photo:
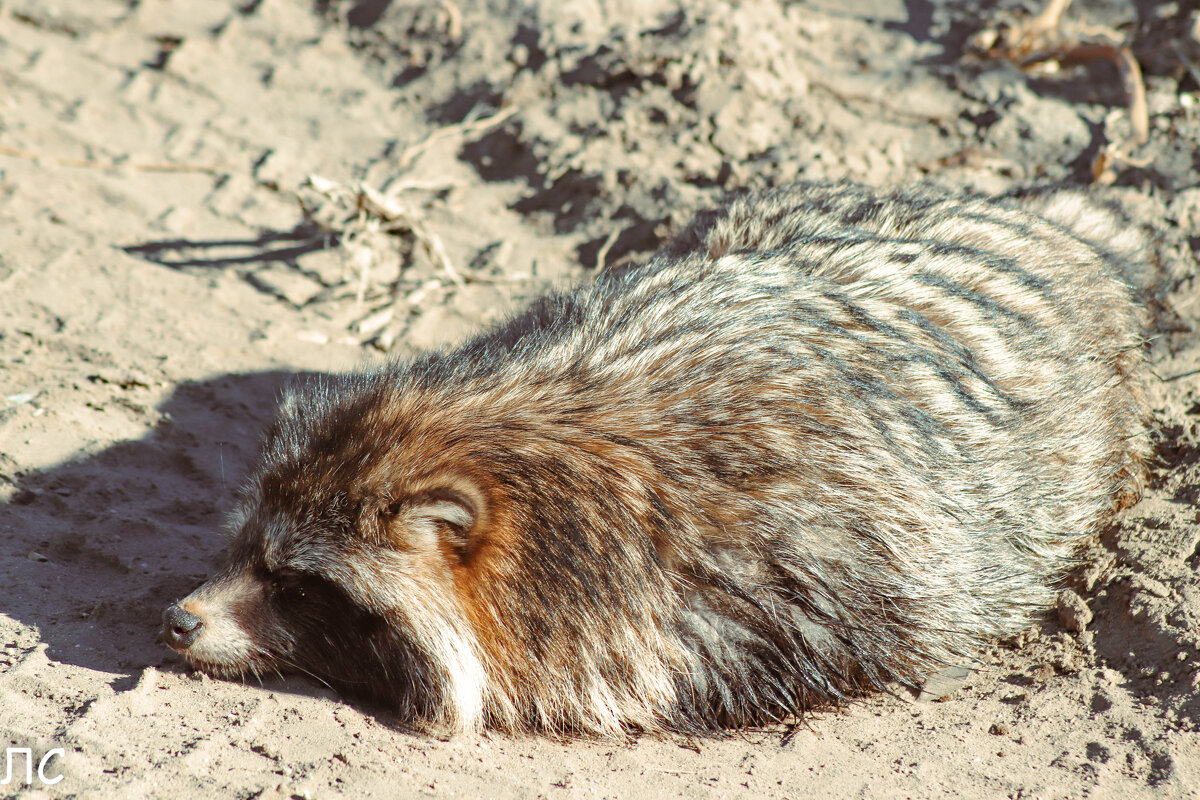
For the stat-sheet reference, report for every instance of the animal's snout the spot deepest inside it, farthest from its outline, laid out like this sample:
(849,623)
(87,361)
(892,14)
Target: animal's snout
(180,627)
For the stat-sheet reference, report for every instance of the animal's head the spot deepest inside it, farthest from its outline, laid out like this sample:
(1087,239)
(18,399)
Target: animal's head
(457,559)
(347,562)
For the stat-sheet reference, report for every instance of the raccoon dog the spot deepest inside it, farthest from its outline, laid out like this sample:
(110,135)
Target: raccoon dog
(824,441)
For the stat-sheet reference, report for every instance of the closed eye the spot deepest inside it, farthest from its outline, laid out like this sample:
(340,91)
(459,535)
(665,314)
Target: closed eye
(288,585)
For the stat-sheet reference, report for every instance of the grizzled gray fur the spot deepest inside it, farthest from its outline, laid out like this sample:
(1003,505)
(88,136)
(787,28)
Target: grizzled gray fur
(824,441)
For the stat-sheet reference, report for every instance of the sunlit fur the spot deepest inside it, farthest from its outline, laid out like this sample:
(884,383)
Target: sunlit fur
(824,441)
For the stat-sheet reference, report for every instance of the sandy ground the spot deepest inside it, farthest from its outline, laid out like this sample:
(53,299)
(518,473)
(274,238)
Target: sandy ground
(159,281)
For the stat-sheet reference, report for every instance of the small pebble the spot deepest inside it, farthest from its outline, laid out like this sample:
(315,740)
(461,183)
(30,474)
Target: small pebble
(1042,673)
(1073,612)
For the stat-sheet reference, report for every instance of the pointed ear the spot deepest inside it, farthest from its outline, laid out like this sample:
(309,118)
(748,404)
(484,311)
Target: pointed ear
(446,517)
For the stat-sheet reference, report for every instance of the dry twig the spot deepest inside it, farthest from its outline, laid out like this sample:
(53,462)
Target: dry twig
(454,21)
(366,220)
(1044,40)
(602,256)
(460,130)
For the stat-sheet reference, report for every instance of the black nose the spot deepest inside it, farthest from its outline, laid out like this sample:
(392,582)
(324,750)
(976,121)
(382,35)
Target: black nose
(180,627)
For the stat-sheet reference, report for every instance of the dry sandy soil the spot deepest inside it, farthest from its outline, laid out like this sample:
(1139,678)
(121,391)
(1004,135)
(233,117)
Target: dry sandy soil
(166,263)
